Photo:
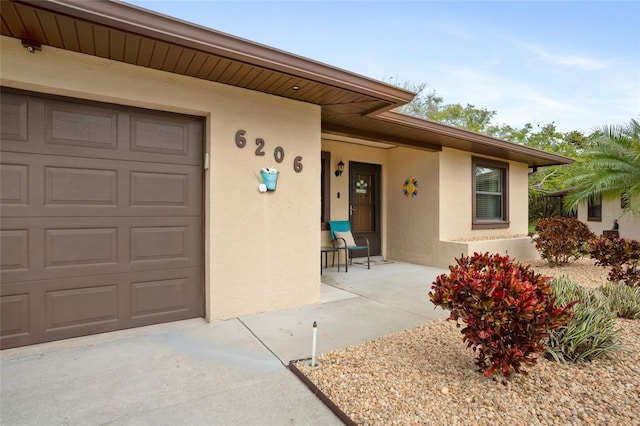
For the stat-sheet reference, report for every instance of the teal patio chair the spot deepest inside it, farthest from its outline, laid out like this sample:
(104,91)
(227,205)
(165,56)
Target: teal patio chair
(342,237)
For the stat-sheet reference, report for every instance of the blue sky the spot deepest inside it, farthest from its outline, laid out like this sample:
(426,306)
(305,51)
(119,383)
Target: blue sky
(575,63)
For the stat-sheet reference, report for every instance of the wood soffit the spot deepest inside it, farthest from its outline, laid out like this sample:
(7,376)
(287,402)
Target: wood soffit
(351,104)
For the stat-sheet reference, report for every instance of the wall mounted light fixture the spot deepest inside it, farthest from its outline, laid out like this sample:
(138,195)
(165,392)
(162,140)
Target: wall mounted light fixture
(339,168)
(31,45)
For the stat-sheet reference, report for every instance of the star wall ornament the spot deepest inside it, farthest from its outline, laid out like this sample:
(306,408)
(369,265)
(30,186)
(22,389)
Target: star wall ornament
(410,188)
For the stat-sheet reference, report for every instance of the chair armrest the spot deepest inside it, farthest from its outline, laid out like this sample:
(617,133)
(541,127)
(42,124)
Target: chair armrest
(360,237)
(344,243)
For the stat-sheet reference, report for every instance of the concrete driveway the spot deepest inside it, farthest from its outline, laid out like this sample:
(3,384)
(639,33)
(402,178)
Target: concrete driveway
(223,373)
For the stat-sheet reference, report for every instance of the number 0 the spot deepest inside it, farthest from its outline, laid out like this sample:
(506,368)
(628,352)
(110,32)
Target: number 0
(278,154)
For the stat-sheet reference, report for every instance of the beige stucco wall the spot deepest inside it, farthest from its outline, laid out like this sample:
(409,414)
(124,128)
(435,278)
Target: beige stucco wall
(456,198)
(413,222)
(629,226)
(261,249)
(456,234)
(455,195)
(519,248)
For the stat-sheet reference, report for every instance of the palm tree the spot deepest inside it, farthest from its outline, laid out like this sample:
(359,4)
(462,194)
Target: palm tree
(611,169)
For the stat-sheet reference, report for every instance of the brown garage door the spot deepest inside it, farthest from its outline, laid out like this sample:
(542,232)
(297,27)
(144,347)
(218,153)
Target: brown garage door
(101,217)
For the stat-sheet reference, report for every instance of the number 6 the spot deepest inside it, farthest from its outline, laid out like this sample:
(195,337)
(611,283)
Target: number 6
(240,140)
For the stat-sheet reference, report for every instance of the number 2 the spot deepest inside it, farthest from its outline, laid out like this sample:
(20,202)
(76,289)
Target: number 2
(260,145)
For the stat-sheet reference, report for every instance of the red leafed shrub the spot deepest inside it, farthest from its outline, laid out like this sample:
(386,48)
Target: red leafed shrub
(621,255)
(508,310)
(562,239)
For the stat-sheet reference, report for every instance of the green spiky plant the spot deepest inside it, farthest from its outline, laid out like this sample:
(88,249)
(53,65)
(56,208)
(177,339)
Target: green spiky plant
(624,301)
(590,332)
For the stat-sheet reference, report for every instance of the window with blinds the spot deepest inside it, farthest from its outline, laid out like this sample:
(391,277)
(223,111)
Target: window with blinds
(489,193)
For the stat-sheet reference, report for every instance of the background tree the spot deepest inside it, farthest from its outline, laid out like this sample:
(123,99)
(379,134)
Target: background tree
(427,104)
(609,169)
(548,180)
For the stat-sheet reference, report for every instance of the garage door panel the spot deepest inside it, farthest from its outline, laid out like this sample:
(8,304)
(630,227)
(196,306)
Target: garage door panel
(14,250)
(149,134)
(80,246)
(54,186)
(14,183)
(159,297)
(14,313)
(159,189)
(14,117)
(159,243)
(101,224)
(58,246)
(164,243)
(165,139)
(168,296)
(81,307)
(82,129)
(80,186)
(81,126)
(70,307)
(153,190)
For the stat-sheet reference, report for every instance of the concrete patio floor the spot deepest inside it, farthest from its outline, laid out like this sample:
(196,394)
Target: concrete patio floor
(222,373)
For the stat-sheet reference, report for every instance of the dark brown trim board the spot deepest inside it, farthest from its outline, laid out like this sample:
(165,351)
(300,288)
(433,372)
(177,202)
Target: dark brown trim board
(321,395)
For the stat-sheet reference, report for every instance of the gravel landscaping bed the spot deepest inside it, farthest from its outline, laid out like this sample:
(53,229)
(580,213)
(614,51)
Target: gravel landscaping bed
(427,376)
(582,271)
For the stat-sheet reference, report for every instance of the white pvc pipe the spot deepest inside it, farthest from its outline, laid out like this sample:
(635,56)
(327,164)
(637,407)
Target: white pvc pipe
(313,347)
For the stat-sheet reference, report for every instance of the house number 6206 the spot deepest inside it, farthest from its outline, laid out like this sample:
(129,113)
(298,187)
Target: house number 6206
(278,152)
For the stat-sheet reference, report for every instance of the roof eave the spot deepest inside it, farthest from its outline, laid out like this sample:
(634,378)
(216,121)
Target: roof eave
(126,17)
(537,157)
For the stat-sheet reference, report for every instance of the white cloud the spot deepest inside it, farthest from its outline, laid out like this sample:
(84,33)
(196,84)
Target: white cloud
(563,61)
(518,101)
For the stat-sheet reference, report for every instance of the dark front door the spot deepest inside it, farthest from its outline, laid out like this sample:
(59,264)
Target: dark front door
(364,202)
